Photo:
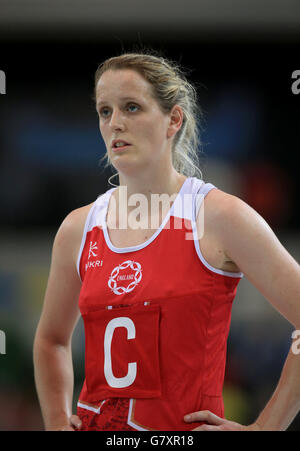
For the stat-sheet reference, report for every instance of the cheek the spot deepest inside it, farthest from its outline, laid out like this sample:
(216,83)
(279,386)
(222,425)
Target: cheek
(103,131)
(153,131)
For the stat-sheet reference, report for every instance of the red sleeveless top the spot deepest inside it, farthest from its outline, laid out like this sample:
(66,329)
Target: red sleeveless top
(156,319)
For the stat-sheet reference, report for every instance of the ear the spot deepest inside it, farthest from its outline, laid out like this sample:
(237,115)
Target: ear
(176,118)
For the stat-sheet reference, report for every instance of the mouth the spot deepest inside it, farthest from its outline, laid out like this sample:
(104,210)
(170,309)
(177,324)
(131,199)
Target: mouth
(120,148)
(119,145)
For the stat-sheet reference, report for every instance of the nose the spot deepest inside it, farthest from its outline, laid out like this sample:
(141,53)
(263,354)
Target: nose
(116,120)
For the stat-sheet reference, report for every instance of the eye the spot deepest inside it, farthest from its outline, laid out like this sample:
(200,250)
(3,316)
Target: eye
(104,112)
(133,108)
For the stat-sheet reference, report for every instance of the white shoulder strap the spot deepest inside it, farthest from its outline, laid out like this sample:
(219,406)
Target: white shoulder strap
(205,188)
(94,218)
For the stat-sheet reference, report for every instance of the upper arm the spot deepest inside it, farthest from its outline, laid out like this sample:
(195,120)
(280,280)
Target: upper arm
(252,245)
(60,310)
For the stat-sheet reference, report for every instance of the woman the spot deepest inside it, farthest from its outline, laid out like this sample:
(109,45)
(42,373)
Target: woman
(156,300)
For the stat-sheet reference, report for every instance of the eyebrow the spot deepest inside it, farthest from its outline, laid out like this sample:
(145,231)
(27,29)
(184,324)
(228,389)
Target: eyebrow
(103,102)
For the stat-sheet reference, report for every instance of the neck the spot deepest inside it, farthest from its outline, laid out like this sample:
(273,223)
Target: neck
(145,186)
(157,182)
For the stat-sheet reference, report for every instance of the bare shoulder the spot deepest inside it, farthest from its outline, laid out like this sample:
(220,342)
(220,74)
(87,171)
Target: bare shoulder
(246,239)
(235,228)
(217,202)
(75,220)
(60,311)
(224,210)
(221,212)
(69,234)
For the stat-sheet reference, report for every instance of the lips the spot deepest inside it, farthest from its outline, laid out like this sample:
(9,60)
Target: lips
(119,144)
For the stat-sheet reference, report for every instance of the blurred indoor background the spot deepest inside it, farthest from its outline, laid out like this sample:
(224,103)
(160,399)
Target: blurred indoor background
(241,56)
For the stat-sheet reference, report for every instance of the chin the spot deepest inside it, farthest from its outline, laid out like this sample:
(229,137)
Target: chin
(129,166)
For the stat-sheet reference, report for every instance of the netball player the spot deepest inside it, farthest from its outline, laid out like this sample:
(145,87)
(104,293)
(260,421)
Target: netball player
(156,301)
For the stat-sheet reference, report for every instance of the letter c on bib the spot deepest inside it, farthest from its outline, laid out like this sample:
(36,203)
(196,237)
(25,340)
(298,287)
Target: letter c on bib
(118,382)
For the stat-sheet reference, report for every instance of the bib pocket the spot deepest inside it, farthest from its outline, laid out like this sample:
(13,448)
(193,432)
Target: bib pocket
(122,352)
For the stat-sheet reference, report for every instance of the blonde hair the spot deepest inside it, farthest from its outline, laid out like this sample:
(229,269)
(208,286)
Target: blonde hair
(170,87)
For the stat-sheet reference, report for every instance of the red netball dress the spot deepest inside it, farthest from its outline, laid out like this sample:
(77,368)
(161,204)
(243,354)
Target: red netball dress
(156,319)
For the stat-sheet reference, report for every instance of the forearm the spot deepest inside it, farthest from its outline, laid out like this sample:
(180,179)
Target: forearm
(285,401)
(53,370)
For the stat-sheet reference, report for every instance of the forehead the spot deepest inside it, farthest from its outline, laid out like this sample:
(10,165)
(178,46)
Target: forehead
(118,82)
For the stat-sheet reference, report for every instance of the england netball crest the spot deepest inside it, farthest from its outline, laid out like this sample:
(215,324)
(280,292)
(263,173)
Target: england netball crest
(125,277)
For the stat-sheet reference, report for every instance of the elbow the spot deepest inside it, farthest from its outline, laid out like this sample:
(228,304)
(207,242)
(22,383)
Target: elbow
(46,343)
(48,352)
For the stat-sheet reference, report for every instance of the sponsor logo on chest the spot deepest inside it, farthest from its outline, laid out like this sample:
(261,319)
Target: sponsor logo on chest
(92,254)
(123,278)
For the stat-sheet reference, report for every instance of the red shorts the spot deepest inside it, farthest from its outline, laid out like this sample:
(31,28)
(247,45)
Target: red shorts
(113,416)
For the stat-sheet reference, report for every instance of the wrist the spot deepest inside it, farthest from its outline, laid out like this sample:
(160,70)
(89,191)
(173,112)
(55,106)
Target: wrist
(57,423)
(253,427)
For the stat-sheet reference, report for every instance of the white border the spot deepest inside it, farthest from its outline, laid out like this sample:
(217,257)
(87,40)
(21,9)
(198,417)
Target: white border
(129,422)
(92,409)
(204,192)
(121,250)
